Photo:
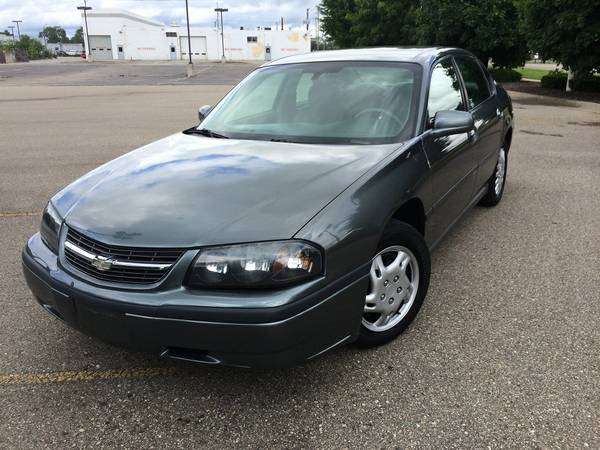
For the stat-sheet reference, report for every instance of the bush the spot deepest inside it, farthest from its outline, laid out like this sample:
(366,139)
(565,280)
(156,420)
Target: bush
(7,46)
(505,75)
(589,83)
(558,80)
(554,80)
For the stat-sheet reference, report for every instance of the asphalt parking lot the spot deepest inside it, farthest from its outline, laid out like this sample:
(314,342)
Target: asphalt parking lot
(505,352)
(74,71)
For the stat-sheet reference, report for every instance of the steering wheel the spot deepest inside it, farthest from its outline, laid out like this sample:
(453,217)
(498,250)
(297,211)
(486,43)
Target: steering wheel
(385,112)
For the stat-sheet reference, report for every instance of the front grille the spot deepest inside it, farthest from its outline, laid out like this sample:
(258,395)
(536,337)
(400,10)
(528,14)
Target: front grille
(131,265)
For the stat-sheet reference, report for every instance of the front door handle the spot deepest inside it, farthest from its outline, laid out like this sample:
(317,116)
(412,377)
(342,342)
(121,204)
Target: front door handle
(472,135)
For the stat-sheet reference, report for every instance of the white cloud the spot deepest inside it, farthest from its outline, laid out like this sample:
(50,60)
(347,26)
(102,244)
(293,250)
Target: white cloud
(37,13)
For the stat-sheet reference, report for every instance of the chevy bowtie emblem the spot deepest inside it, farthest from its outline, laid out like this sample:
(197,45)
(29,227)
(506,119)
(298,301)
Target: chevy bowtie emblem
(101,263)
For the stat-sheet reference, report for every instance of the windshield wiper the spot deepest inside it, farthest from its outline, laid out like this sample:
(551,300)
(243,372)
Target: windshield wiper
(209,133)
(284,140)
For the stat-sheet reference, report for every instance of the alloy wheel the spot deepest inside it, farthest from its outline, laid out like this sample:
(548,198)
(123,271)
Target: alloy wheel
(500,171)
(393,286)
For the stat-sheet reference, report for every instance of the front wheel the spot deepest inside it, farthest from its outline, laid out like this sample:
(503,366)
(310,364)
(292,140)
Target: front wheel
(398,283)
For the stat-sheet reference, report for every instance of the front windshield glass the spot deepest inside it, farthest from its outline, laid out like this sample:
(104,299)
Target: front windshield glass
(322,102)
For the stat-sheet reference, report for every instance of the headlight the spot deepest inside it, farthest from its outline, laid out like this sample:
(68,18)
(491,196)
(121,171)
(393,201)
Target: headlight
(260,265)
(50,227)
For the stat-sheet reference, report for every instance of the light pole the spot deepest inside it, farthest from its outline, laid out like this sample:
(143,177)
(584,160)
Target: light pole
(44,36)
(190,68)
(85,8)
(221,11)
(12,31)
(18,31)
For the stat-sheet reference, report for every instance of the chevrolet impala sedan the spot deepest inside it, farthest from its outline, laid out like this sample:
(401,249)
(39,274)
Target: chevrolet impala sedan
(297,217)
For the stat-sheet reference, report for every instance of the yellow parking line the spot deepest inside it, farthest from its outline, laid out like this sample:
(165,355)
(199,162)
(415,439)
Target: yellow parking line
(20,214)
(60,377)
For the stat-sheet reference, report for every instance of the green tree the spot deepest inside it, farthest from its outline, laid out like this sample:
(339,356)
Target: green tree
(54,34)
(336,21)
(490,29)
(567,31)
(34,48)
(77,38)
(362,23)
(5,32)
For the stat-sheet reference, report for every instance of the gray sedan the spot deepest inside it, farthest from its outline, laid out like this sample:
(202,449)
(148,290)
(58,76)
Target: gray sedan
(298,216)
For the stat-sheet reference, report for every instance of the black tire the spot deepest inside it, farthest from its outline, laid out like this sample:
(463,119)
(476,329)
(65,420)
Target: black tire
(400,233)
(492,198)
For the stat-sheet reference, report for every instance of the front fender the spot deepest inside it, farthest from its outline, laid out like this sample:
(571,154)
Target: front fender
(350,227)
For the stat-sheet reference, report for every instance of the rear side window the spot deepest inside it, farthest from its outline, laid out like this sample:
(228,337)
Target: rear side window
(444,91)
(478,89)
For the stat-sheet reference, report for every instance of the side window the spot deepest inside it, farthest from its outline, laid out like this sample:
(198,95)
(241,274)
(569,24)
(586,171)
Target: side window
(478,89)
(444,91)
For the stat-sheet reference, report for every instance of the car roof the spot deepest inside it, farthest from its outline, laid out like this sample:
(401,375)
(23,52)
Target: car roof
(421,55)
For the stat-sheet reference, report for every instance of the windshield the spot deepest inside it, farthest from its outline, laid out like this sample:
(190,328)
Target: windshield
(324,102)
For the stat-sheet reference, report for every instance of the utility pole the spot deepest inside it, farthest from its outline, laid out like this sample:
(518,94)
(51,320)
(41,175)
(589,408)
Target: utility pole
(307,19)
(18,31)
(85,8)
(190,67)
(221,11)
(44,36)
(12,31)
(318,26)
(282,24)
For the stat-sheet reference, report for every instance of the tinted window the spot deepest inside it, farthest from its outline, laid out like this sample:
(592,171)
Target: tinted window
(324,102)
(444,92)
(477,87)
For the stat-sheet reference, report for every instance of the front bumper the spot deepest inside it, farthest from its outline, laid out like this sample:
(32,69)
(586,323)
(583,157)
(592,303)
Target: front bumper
(155,322)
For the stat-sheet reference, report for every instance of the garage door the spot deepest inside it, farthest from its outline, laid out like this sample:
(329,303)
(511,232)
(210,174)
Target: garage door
(101,48)
(198,47)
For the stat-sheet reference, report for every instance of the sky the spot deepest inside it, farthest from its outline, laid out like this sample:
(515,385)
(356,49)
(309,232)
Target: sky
(250,14)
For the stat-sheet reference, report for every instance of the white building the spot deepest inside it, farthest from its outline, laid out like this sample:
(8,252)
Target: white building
(118,34)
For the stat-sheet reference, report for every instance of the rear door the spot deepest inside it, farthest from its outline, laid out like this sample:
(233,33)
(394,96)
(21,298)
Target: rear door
(452,158)
(483,105)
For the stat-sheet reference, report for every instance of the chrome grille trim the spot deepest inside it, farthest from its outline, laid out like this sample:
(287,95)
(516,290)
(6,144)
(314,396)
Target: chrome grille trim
(115,262)
(118,264)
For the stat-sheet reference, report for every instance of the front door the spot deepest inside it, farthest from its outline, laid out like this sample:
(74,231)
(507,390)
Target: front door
(120,52)
(452,158)
(173,52)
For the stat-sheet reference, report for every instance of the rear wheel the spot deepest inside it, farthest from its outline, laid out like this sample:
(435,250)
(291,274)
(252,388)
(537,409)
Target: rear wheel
(398,283)
(496,181)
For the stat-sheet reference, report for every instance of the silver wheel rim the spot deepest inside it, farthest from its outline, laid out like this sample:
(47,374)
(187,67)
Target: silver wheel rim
(394,282)
(500,168)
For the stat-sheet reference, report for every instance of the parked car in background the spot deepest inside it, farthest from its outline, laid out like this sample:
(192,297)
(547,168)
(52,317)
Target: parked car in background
(298,216)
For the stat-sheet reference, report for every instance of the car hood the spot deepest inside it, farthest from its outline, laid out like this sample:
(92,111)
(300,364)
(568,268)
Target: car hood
(189,191)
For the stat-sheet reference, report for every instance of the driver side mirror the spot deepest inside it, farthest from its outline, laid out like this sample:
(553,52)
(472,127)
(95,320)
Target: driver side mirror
(446,123)
(203,112)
